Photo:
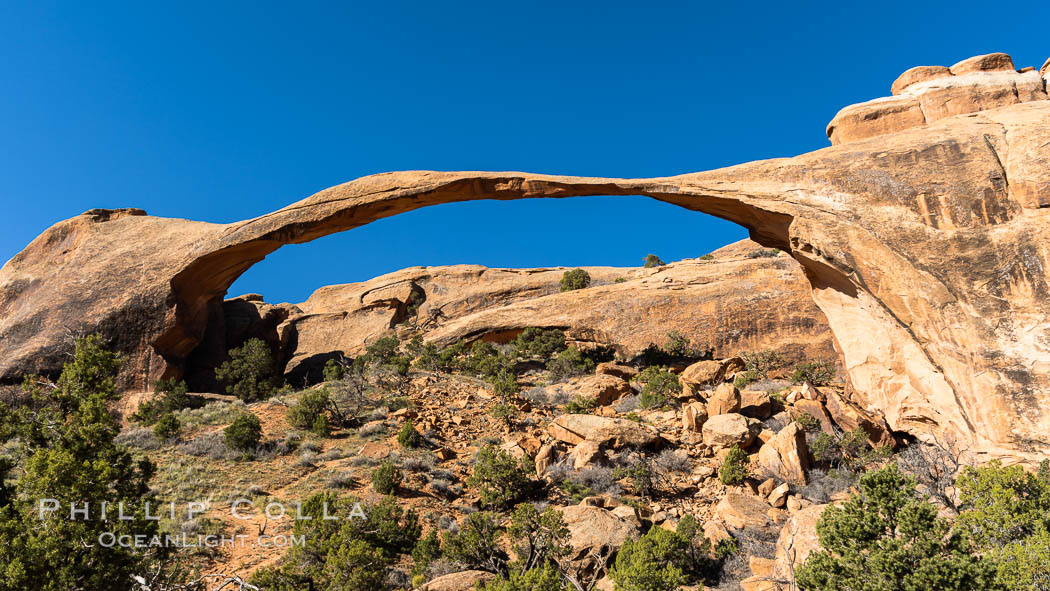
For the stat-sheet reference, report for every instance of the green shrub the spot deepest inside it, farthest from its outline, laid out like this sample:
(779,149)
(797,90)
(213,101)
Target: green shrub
(408,436)
(351,552)
(167,426)
(501,481)
(640,474)
(485,361)
(888,537)
(735,467)
(65,437)
(251,373)
(383,350)
(386,478)
(581,406)
(652,260)
(333,371)
(678,348)
(537,537)
(575,279)
(476,544)
(620,280)
(173,398)
(447,359)
(707,257)
(818,373)
(568,363)
(426,551)
(763,253)
(746,377)
(243,433)
(538,343)
(504,413)
(659,387)
(1007,516)
(540,578)
(311,412)
(653,562)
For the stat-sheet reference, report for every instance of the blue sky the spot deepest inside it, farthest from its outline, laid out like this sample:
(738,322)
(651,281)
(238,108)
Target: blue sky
(221,111)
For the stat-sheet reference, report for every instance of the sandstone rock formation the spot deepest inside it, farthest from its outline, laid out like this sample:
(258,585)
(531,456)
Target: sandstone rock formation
(727,305)
(926,94)
(925,247)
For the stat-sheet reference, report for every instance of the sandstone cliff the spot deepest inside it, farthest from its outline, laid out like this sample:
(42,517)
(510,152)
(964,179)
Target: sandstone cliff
(925,247)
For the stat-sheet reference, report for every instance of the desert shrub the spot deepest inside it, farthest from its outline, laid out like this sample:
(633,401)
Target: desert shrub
(640,475)
(541,578)
(501,480)
(707,257)
(372,430)
(210,445)
(244,433)
(333,371)
(426,551)
(659,387)
(383,350)
(476,544)
(597,479)
(676,349)
(822,484)
(251,373)
(539,343)
(568,363)
(504,413)
(167,426)
(486,361)
(447,359)
(627,404)
(850,450)
(620,280)
(505,384)
(1006,514)
(674,460)
(347,553)
(575,279)
(65,439)
(311,412)
(763,253)
(653,562)
(888,537)
(342,480)
(581,406)
(386,478)
(735,467)
(142,438)
(173,398)
(651,260)
(818,373)
(408,436)
(762,362)
(538,538)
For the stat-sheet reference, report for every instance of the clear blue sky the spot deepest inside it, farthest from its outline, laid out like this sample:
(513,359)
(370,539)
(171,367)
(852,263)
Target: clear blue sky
(223,110)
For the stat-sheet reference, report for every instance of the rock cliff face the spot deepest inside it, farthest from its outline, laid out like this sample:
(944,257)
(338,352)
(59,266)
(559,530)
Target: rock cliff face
(926,247)
(735,302)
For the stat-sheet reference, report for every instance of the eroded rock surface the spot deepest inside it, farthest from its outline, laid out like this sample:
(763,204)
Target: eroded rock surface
(925,247)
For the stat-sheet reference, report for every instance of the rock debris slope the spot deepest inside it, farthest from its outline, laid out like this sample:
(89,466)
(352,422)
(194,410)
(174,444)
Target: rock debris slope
(925,245)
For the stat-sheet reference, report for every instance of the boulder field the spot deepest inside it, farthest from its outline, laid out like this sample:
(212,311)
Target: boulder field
(924,242)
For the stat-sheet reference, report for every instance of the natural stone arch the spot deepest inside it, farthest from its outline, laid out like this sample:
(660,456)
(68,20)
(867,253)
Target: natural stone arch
(926,249)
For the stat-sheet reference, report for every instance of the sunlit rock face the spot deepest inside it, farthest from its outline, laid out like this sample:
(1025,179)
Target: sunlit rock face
(925,245)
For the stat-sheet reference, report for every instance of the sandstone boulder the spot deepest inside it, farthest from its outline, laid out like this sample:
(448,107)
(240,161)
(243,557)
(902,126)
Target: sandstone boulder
(618,370)
(461,581)
(603,389)
(725,431)
(786,455)
(594,529)
(739,511)
(797,539)
(586,454)
(574,429)
(694,415)
(706,374)
(817,411)
(849,417)
(724,400)
(755,404)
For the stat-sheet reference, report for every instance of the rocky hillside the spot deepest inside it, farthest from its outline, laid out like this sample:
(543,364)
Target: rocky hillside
(739,298)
